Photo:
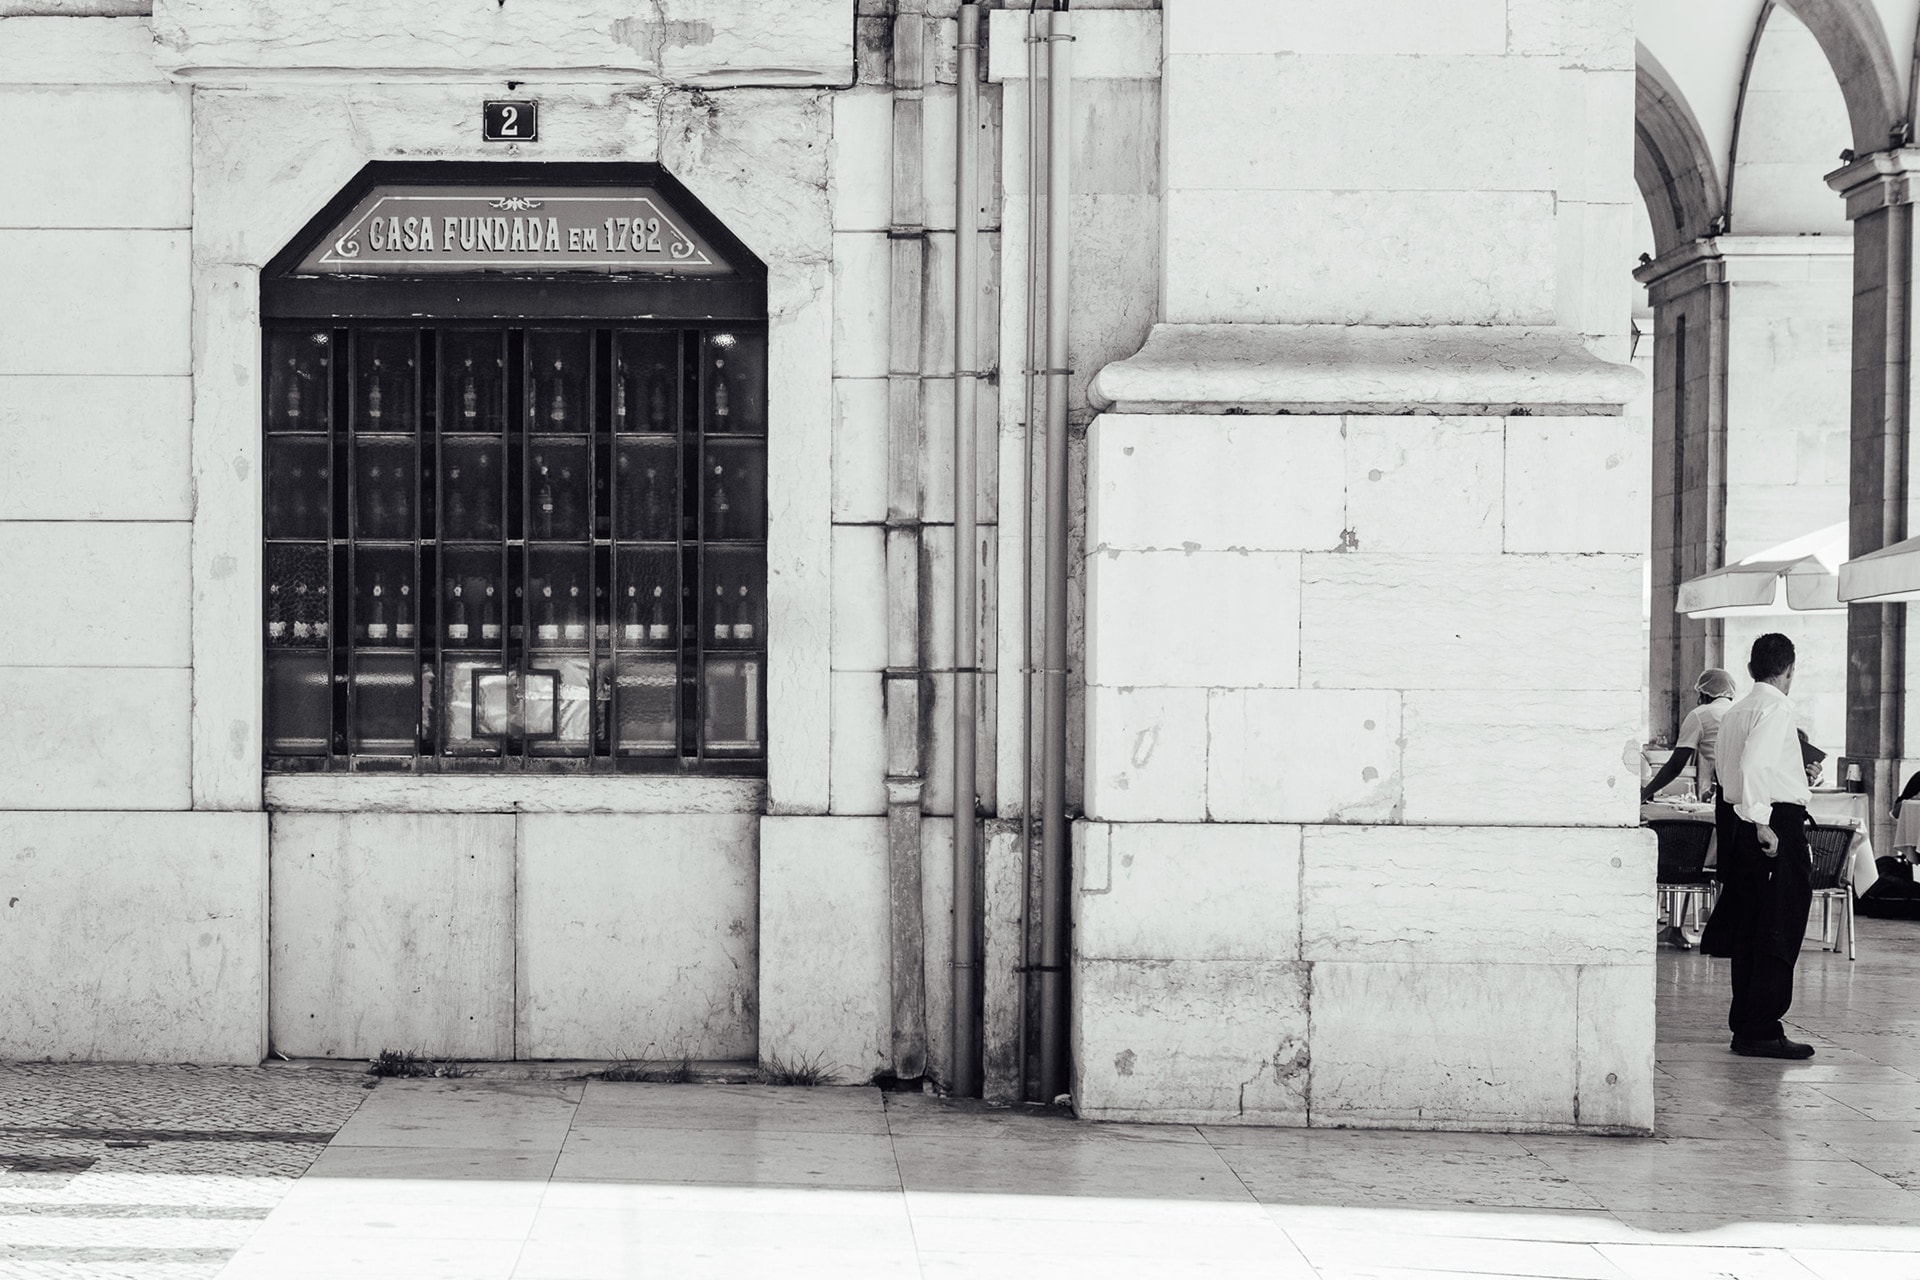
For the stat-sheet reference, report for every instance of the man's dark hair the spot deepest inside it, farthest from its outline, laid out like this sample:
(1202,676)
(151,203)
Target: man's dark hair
(1772,655)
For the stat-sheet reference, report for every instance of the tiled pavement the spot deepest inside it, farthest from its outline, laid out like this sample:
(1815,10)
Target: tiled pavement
(1763,1170)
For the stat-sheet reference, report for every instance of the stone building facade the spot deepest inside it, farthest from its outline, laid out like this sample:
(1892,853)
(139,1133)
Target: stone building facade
(1355,673)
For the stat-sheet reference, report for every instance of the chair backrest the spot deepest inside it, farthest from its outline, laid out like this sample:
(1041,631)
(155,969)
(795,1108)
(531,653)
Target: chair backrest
(1683,850)
(1829,846)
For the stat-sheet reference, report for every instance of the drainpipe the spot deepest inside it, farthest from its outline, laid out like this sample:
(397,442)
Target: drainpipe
(967,1065)
(1055,865)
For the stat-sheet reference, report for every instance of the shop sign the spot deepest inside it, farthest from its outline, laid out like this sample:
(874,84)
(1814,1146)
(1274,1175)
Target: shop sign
(430,230)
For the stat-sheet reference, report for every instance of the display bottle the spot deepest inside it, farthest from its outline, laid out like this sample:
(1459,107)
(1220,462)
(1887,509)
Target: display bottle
(456,522)
(624,506)
(565,519)
(743,618)
(557,408)
(293,391)
(469,395)
(543,500)
(548,629)
(722,395)
(376,628)
(657,399)
(722,629)
(302,628)
(322,611)
(276,614)
(620,400)
(490,617)
(457,628)
(517,629)
(653,513)
(373,511)
(631,629)
(602,631)
(376,397)
(574,620)
(658,629)
(403,613)
(400,506)
(487,493)
(721,511)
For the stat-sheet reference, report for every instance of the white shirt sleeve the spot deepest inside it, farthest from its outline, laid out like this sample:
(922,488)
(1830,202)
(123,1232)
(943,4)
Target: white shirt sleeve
(1769,742)
(1690,730)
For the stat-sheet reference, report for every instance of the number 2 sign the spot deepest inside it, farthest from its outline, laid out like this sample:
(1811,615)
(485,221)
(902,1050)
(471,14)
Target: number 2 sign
(511,122)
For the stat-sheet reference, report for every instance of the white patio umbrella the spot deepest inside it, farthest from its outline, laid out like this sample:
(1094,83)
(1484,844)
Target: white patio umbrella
(1810,565)
(1886,576)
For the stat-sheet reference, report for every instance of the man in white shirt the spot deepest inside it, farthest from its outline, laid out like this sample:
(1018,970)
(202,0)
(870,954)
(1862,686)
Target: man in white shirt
(1766,867)
(1699,733)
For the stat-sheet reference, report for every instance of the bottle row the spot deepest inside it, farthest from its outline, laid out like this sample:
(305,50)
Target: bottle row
(393,495)
(566,707)
(655,378)
(560,614)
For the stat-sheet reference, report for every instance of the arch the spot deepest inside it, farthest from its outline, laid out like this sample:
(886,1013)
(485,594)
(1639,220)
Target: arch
(1788,128)
(1856,44)
(1672,163)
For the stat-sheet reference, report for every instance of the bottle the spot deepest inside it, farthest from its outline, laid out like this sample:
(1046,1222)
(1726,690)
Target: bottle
(620,401)
(302,628)
(403,614)
(490,617)
(316,520)
(743,618)
(456,522)
(276,616)
(563,512)
(457,628)
(543,500)
(293,390)
(631,630)
(575,621)
(722,509)
(722,395)
(722,630)
(653,515)
(517,630)
(557,411)
(657,399)
(486,490)
(469,395)
(658,631)
(322,610)
(400,507)
(376,398)
(601,630)
(374,511)
(548,630)
(376,626)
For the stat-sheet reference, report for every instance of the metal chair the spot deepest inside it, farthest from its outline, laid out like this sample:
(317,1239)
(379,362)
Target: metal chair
(1829,847)
(1684,879)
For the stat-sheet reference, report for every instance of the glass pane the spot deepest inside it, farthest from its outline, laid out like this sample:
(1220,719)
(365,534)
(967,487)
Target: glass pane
(558,365)
(383,606)
(730,698)
(299,380)
(383,491)
(560,588)
(646,490)
(646,384)
(470,489)
(470,600)
(734,490)
(299,703)
(733,382)
(383,380)
(649,589)
(559,694)
(386,693)
(298,499)
(559,502)
(473,381)
(297,597)
(734,610)
(648,700)
(474,707)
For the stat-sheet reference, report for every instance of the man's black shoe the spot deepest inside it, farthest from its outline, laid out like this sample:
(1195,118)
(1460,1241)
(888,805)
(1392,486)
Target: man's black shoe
(1781,1048)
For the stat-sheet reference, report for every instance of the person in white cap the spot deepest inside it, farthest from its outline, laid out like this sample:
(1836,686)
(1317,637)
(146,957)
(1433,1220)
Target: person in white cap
(1699,733)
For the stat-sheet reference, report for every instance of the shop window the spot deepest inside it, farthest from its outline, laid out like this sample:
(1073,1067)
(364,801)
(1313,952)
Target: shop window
(533,546)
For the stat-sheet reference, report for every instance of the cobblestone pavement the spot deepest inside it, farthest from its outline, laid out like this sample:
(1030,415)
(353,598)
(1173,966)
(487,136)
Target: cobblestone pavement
(153,1173)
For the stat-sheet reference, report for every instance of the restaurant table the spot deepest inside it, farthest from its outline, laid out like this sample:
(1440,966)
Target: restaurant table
(1861,870)
(1906,827)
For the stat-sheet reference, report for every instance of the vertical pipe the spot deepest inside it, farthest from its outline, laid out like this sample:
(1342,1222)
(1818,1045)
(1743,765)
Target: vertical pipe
(1037,20)
(967,1066)
(1056,871)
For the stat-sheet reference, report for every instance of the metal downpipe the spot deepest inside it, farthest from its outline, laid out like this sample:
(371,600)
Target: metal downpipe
(967,1064)
(1055,863)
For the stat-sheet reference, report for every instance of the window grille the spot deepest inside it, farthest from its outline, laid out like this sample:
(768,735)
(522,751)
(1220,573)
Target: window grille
(534,548)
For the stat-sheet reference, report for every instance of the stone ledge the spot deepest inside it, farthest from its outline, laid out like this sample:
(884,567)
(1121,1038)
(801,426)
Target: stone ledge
(1471,370)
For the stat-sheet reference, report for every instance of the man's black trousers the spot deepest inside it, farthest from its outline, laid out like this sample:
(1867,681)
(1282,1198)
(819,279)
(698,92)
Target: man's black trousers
(1765,902)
